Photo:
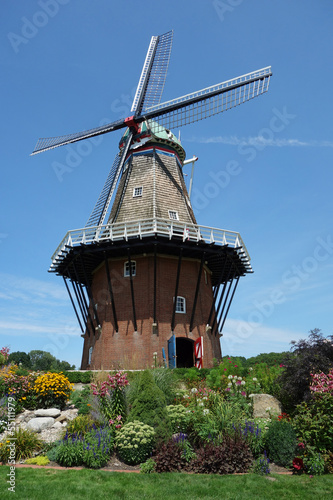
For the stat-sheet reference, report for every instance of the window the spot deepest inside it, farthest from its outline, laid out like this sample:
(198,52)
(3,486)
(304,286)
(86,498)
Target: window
(127,269)
(137,191)
(173,215)
(90,354)
(180,305)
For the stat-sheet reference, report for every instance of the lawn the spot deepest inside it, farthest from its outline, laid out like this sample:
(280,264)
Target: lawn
(36,484)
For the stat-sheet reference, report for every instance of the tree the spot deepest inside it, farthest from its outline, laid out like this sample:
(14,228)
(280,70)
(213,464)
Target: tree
(20,358)
(44,361)
(307,356)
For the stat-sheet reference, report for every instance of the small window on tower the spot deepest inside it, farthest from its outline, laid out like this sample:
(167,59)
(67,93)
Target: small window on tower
(137,191)
(173,215)
(90,354)
(127,268)
(180,305)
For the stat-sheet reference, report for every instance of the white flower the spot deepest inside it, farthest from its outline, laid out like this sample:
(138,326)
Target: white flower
(243,382)
(194,389)
(240,378)
(229,384)
(205,411)
(254,379)
(200,404)
(230,377)
(250,369)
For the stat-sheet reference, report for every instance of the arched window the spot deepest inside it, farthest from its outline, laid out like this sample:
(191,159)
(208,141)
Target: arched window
(90,354)
(127,269)
(181,305)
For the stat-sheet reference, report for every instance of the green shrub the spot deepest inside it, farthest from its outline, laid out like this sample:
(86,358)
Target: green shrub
(148,466)
(82,400)
(135,442)
(25,443)
(149,407)
(51,453)
(40,460)
(281,442)
(69,453)
(314,464)
(313,422)
(79,426)
(79,377)
(220,419)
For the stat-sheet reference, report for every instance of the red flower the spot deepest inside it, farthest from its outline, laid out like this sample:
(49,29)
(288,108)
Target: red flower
(298,464)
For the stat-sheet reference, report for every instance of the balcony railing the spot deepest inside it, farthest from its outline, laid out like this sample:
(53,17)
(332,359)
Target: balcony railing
(145,228)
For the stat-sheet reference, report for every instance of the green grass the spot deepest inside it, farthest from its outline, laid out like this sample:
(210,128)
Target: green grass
(35,484)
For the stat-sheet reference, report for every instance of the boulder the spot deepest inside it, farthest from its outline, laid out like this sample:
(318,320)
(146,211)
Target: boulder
(57,425)
(265,405)
(48,412)
(40,423)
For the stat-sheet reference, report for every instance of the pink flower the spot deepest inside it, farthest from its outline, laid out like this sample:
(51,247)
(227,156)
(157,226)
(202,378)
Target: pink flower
(118,426)
(119,417)
(111,422)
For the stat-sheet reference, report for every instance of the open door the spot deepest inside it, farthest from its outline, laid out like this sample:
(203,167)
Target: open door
(172,351)
(198,352)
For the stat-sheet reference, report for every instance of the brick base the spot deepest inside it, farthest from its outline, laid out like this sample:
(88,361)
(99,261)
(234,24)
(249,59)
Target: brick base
(142,348)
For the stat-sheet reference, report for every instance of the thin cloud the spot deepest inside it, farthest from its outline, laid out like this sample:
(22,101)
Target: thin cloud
(21,328)
(260,141)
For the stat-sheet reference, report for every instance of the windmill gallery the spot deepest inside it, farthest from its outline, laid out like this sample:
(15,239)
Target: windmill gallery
(147,283)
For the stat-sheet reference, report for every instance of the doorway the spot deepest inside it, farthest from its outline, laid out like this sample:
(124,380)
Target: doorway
(185,353)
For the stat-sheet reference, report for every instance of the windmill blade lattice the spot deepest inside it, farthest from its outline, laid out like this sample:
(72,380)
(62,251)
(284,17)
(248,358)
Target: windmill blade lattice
(100,210)
(44,144)
(154,71)
(211,100)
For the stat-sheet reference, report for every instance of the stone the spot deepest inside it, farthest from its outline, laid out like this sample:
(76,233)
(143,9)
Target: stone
(265,405)
(40,423)
(48,412)
(57,425)
(61,418)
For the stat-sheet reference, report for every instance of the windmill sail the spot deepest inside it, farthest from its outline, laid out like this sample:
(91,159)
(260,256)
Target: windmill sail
(100,210)
(211,100)
(154,71)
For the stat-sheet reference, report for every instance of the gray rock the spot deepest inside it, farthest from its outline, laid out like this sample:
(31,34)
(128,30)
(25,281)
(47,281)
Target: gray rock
(48,412)
(265,405)
(40,423)
(57,425)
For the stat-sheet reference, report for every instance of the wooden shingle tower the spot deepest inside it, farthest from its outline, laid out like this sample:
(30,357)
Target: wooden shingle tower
(149,286)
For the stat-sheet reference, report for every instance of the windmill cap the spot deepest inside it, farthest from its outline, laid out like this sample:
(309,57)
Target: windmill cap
(151,131)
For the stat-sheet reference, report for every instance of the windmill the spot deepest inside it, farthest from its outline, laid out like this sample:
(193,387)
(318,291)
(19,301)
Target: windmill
(143,277)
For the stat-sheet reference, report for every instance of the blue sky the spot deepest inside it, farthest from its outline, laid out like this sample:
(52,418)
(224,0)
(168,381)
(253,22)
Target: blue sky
(68,65)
